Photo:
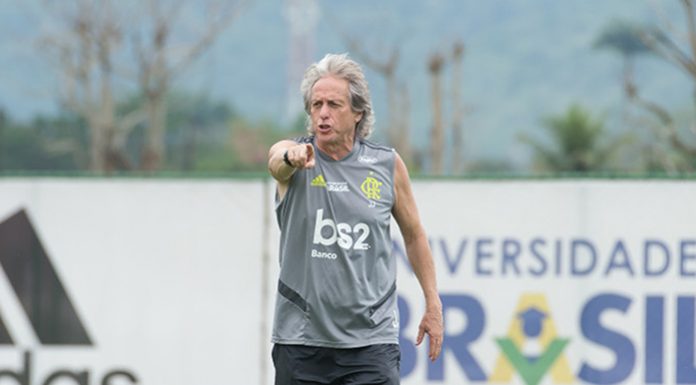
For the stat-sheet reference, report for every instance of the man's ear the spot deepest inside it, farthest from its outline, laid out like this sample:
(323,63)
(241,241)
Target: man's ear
(358,117)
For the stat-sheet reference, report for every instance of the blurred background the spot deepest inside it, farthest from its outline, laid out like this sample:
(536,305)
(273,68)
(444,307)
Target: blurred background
(459,87)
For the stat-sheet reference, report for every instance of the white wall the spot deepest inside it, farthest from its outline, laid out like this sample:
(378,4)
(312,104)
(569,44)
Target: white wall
(175,279)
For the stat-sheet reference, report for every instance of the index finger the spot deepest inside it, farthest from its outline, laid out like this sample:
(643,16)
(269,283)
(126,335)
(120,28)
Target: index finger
(310,156)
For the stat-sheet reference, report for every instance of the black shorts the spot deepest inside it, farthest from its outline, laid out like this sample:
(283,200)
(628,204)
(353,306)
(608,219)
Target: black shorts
(299,364)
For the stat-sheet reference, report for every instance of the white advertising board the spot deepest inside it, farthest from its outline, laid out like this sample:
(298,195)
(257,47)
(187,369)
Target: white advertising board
(557,282)
(173,282)
(163,277)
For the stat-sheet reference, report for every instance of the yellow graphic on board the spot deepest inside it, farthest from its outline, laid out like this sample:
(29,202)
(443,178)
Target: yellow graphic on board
(532,317)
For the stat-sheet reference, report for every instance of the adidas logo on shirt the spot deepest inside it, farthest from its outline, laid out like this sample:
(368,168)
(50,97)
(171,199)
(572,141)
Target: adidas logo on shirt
(319,181)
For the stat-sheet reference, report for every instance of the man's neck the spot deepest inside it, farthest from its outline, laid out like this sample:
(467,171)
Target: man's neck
(337,151)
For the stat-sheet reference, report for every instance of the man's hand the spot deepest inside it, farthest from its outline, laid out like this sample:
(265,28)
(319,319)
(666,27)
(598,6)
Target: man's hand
(301,156)
(431,324)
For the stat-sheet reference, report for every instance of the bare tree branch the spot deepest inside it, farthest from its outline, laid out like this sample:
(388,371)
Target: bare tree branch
(664,18)
(665,47)
(222,19)
(87,56)
(691,24)
(664,118)
(397,123)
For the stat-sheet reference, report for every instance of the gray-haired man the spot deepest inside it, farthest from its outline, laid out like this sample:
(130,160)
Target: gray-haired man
(336,319)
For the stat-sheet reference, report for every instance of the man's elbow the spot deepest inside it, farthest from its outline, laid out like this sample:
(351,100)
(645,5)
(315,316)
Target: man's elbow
(415,238)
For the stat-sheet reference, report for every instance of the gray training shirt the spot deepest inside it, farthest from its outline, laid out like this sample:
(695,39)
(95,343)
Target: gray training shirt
(337,285)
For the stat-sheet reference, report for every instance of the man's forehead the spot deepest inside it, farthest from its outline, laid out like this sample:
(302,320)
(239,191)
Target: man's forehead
(330,86)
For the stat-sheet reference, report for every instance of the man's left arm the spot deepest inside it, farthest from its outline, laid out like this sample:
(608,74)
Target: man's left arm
(419,255)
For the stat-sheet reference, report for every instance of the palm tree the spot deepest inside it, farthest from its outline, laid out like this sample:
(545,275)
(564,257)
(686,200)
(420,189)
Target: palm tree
(576,143)
(625,39)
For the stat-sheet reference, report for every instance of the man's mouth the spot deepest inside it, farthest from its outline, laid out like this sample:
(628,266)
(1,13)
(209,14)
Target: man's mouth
(324,128)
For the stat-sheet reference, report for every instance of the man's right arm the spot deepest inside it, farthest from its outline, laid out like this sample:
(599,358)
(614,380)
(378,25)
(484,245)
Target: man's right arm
(300,155)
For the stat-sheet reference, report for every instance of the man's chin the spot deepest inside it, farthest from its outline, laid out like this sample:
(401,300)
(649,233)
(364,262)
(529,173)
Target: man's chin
(326,136)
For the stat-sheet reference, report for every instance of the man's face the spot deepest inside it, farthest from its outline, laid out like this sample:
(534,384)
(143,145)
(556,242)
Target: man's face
(333,120)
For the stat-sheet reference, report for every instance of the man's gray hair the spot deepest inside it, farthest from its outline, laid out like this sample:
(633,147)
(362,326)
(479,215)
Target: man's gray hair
(341,67)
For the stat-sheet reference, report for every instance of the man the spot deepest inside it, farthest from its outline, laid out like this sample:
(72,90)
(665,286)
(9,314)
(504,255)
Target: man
(336,318)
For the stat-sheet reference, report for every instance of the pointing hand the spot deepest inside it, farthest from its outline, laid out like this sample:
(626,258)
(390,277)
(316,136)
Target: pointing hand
(301,156)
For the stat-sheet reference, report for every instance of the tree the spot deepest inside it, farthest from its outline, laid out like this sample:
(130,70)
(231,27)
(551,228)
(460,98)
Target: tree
(83,51)
(160,59)
(196,124)
(384,58)
(92,53)
(398,107)
(576,143)
(624,38)
(682,55)
(45,144)
(457,107)
(662,43)
(437,137)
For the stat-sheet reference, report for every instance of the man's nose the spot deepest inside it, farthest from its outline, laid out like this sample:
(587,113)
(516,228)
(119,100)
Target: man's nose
(324,111)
